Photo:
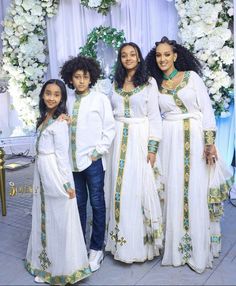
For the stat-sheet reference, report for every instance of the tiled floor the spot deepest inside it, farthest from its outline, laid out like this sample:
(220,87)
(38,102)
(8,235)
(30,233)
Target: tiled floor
(15,229)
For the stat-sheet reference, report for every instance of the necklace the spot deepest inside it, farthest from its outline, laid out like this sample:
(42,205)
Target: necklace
(168,78)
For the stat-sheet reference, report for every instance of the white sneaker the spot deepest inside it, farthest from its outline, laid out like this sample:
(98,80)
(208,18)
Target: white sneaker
(37,279)
(95,259)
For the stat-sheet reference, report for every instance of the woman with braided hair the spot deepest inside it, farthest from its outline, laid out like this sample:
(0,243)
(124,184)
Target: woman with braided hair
(193,175)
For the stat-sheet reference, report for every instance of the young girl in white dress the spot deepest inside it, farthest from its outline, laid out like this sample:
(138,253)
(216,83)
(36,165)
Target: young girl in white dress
(134,218)
(56,251)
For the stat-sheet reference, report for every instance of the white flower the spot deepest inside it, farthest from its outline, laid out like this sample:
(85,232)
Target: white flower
(231,12)
(28,4)
(14,41)
(94,3)
(209,13)
(226,54)
(36,10)
(18,2)
(222,32)
(217,97)
(225,114)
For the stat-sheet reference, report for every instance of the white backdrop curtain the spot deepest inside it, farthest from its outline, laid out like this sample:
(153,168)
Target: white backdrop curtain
(143,22)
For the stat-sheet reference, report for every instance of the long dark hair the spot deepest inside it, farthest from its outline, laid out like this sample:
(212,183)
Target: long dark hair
(140,76)
(61,108)
(185,61)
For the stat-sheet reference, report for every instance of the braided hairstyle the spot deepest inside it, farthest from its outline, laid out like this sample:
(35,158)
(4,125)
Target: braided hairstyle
(185,61)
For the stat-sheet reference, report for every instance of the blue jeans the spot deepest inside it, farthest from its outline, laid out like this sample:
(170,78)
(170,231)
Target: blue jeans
(93,179)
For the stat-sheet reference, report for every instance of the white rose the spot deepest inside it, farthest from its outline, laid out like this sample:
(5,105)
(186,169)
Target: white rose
(18,2)
(27,4)
(226,54)
(217,97)
(94,3)
(14,41)
(223,32)
(41,57)
(36,10)
(231,12)
(9,31)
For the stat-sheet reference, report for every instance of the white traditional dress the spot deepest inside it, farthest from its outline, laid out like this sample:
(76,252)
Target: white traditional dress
(194,191)
(56,249)
(134,219)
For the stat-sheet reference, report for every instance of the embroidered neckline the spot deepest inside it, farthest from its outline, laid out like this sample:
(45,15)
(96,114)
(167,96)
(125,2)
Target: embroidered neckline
(181,85)
(81,95)
(124,93)
(43,126)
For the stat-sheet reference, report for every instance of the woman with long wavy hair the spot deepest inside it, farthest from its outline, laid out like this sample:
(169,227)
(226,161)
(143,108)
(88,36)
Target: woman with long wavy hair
(134,218)
(193,174)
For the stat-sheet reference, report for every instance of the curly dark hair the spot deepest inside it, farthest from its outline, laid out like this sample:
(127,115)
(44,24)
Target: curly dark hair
(185,61)
(61,108)
(141,74)
(85,64)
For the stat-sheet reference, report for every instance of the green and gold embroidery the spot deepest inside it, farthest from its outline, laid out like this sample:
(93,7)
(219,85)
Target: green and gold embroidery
(215,198)
(114,234)
(43,258)
(123,149)
(96,155)
(209,137)
(216,238)
(153,146)
(41,129)
(185,246)
(129,93)
(152,235)
(121,166)
(59,280)
(174,92)
(73,129)
(67,186)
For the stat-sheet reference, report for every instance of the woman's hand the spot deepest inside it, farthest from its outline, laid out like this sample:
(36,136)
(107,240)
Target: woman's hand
(71,193)
(210,154)
(151,157)
(65,117)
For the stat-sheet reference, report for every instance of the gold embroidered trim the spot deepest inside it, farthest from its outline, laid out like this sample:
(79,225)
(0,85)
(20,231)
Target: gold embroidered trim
(73,129)
(59,279)
(153,146)
(43,258)
(114,234)
(185,246)
(209,137)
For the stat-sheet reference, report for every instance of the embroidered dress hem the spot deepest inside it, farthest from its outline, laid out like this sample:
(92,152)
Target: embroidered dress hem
(58,279)
(135,191)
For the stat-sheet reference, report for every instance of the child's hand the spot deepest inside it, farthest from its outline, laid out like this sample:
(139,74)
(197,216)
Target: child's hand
(65,117)
(93,158)
(71,193)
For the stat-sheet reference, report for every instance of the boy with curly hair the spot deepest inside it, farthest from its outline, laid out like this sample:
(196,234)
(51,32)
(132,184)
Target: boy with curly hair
(91,133)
